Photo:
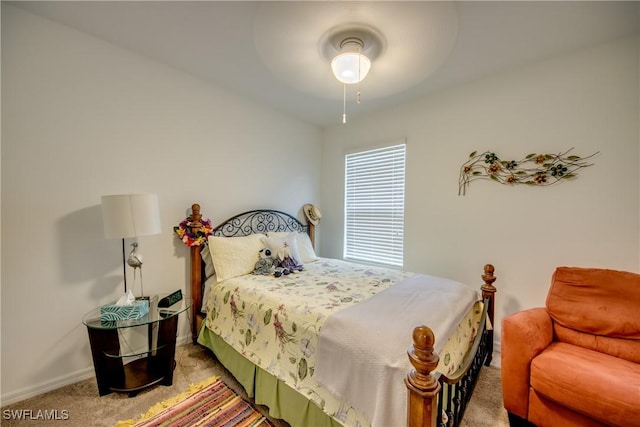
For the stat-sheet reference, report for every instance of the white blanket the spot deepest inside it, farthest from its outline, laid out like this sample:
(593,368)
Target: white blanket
(362,355)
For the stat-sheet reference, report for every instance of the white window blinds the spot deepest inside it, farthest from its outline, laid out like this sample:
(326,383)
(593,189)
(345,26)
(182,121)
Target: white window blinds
(374,205)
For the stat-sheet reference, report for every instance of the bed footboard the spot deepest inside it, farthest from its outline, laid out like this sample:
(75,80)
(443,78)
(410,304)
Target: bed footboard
(423,387)
(436,400)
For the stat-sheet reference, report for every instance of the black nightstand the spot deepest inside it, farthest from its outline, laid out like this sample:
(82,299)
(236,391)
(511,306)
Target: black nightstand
(149,366)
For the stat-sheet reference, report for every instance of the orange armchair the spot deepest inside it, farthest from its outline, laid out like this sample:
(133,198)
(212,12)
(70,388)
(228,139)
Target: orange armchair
(575,362)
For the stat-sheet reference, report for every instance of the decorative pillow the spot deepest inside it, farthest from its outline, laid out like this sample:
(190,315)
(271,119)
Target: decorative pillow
(305,248)
(235,256)
(282,247)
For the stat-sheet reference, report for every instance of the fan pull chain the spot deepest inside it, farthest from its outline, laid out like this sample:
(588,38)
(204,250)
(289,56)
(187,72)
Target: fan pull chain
(344,90)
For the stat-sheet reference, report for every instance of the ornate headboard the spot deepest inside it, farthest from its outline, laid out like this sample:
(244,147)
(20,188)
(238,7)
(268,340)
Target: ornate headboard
(250,222)
(258,221)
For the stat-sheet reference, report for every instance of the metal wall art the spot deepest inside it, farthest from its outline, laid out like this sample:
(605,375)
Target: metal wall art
(535,169)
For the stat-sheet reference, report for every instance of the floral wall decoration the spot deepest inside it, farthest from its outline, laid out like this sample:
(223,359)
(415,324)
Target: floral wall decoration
(535,169)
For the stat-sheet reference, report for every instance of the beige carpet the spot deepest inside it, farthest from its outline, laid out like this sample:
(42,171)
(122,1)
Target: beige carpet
(485,408)
(83,407)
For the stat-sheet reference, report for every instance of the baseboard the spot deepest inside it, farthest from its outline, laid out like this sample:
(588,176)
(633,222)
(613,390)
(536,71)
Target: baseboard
(183,339)
(495,360)
(61,381)
(36,389)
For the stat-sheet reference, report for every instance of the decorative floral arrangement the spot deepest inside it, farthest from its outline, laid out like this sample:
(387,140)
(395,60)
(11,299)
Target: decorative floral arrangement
(192,235)
(534,169)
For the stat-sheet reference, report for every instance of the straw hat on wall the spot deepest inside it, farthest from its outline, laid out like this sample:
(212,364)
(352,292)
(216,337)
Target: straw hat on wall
(312,213)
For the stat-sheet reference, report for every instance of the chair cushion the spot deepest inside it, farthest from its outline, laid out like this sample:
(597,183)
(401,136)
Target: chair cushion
(617,347)
(588,382)
(545,413)
(596,301)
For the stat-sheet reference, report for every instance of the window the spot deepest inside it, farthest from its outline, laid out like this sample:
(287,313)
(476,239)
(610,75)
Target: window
(374,205)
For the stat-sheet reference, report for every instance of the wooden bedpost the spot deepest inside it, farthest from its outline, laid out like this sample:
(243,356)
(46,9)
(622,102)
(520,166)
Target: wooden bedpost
(422,385)
(489,291)
(311,229)
(196,273)
(312,214)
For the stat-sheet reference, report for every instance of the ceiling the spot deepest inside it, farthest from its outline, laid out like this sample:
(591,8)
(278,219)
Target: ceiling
(277,54)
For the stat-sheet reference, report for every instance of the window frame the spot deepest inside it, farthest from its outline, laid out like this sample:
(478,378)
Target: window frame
(391,224)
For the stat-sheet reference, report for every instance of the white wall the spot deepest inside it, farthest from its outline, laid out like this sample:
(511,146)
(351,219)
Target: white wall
(83,118)
(587,100)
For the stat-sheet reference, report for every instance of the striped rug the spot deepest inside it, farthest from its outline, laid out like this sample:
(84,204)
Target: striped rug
(209,403)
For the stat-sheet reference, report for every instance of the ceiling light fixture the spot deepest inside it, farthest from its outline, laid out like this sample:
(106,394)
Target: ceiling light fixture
(350,66)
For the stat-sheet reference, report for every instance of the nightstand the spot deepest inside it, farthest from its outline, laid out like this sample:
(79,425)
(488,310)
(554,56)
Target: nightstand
(130,370)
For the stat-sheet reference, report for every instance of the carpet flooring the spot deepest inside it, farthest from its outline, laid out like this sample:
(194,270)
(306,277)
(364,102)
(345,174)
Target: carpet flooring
(79,405)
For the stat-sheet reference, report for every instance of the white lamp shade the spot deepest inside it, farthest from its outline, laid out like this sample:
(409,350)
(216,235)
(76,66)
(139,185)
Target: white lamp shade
(130,215)
(350,67)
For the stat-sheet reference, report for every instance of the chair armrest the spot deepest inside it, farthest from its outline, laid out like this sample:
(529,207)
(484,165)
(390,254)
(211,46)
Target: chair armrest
(524,335)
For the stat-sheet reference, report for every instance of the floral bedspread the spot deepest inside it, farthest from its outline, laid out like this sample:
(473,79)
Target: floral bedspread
(275,322)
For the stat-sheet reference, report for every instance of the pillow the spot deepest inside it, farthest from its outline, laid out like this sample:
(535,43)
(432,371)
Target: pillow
(283,246)
(205,253)
(281,233)
(235,256)
(305,248)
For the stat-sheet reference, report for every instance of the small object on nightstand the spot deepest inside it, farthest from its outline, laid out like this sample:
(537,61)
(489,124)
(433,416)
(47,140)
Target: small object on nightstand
(126,308)
(171,299)
(112,312)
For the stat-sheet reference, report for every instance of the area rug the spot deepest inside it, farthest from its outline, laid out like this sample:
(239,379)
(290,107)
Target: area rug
(209,403)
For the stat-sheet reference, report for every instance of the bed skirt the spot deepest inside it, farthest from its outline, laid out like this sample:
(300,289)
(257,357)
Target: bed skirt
(283,401)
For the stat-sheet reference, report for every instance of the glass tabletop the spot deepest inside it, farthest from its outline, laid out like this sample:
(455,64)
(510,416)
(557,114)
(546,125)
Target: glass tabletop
(156,314)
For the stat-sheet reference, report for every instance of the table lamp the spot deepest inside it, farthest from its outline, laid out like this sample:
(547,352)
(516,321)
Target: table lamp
(130,215)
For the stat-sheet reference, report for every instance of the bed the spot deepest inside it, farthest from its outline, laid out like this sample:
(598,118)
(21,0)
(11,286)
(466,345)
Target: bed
(284,338)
